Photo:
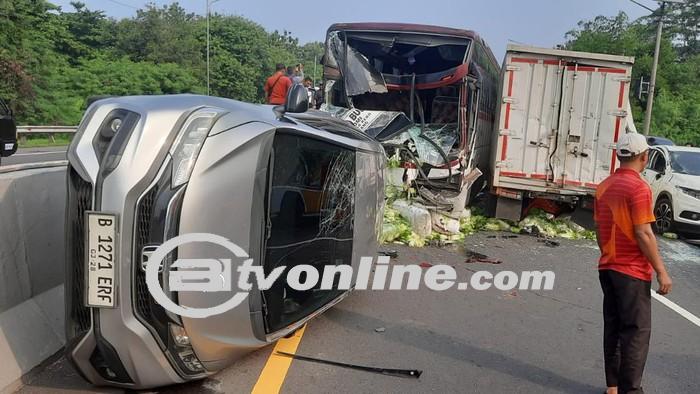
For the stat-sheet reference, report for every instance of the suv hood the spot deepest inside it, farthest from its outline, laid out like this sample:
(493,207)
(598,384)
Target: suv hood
(684,180)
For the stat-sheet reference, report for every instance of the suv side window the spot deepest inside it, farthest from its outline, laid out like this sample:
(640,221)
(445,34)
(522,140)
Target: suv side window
(652,159)
(660,163)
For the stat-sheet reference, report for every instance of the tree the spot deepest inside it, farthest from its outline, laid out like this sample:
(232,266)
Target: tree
(52,60)
(677,104)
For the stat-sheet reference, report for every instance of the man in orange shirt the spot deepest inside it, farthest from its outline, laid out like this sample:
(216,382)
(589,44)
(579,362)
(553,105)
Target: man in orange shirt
(623,215)
(277,86)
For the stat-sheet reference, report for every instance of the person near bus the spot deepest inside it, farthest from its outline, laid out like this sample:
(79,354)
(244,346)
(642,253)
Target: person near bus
(277,86)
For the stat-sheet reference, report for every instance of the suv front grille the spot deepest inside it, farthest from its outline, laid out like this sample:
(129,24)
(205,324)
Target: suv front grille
(143,233)
(79,201)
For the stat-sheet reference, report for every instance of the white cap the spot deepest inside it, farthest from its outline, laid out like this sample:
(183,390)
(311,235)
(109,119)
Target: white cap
(631,144)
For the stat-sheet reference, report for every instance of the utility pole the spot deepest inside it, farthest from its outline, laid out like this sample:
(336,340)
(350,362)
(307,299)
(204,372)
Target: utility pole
(655,63)
(209,3)
(208,6)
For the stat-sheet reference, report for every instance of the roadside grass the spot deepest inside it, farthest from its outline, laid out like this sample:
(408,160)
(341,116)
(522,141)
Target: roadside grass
(45,141)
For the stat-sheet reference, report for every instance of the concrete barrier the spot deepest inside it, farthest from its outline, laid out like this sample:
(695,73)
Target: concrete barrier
(32,215)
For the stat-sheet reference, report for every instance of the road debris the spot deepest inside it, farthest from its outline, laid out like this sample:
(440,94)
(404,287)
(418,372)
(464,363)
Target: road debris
(549,242)
(476,257)
(399,373)
(391,253)
(380,329)
(425,265)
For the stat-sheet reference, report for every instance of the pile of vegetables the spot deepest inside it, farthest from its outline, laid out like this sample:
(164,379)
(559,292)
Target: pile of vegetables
(538,223)
(396,228)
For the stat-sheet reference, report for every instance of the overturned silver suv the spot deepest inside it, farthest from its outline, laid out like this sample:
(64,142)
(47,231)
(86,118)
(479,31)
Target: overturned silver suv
(287,186)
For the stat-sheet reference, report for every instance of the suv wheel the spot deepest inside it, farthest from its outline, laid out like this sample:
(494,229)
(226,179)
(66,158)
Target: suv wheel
(664,216)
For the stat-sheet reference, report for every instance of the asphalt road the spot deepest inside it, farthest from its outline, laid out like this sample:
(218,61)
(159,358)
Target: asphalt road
(35,155)
(470,341)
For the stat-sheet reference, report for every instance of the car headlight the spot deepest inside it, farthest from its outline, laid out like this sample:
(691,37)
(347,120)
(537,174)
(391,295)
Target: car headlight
(691,192)
(189,142)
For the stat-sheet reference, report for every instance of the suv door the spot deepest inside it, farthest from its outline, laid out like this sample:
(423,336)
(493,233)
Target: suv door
(657,171)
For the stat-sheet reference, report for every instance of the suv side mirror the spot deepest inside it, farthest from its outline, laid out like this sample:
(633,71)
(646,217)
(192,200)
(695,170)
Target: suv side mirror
(297,99)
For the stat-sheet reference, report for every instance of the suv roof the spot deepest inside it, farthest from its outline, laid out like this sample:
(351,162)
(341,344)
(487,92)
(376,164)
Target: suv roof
(677,148)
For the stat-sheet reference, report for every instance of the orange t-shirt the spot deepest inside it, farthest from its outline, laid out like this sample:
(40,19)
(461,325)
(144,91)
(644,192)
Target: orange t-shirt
(622,201)
(276,88)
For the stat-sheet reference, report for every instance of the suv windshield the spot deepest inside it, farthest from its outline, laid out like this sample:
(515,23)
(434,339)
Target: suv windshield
(686,162)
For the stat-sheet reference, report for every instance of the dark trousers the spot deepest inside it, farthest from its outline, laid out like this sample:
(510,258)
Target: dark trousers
(627,316)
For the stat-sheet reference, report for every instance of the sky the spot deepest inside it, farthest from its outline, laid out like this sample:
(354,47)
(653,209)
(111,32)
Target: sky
(534,22)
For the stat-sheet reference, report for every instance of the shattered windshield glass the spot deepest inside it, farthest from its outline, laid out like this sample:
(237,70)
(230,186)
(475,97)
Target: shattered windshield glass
(360,76)
(311,209)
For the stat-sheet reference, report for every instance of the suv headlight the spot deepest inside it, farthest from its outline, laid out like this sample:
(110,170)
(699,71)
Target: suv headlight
(691,192)
(189,142)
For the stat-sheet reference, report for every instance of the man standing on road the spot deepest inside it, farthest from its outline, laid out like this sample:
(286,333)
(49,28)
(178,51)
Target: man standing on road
(623,215)
(277,86)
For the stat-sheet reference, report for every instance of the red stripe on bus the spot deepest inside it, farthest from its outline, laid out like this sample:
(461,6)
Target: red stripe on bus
(552,62)
(592,185)
(460,72)
(538,176)
(573,183)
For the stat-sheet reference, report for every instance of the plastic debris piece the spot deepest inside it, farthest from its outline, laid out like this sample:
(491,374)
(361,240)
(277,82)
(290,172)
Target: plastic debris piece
(417,215)
(400,373)
(379,329)
(425,265)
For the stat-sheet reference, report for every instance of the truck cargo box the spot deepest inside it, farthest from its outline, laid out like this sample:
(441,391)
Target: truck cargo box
(561,113)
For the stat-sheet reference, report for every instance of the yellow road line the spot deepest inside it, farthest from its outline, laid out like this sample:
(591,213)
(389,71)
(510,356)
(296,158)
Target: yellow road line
(272,376)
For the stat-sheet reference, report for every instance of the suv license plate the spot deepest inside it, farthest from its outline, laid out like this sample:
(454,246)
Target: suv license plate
(101,260)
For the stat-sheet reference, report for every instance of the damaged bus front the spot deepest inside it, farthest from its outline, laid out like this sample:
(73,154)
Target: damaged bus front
(427,93)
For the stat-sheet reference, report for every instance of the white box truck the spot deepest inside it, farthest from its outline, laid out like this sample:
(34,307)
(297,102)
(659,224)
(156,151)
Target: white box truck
(560,115)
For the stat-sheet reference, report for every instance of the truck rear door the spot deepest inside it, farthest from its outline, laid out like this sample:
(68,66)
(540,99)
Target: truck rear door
(593,115)
(559,121)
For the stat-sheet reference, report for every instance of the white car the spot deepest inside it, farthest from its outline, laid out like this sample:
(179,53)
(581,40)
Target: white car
(674,175)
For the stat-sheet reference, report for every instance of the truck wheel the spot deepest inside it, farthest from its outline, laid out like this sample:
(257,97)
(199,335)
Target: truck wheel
(664,216)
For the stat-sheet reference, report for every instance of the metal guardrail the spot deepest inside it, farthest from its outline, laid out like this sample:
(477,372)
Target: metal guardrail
(24,131)
(32,166)
(46,129)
